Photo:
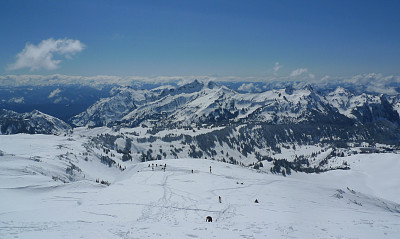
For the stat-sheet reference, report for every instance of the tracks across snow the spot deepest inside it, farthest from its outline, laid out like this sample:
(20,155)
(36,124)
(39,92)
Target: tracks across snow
(146,203)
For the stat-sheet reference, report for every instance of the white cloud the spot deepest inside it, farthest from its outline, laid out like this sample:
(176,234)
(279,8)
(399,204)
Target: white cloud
(250,87)
(298,72)
(54,93)
(17,100)
(42,55)
(276,68)
(371,82)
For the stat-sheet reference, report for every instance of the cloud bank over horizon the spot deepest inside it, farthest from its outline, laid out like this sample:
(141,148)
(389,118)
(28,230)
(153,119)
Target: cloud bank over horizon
(42,56)
(371,82)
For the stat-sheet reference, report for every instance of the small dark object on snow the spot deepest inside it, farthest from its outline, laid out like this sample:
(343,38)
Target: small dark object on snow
(351,190)
(208,219)
(256,201)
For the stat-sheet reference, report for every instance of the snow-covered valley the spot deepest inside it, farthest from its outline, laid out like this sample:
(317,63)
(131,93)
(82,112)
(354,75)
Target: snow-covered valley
(48,190)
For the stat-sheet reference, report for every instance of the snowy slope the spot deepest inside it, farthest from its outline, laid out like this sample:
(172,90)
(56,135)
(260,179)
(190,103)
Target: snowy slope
(362,202)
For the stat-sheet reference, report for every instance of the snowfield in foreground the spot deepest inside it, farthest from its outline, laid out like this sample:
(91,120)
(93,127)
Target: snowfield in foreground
(363,202)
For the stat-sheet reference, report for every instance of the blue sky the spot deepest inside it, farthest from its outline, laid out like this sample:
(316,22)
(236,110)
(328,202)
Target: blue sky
(239,38)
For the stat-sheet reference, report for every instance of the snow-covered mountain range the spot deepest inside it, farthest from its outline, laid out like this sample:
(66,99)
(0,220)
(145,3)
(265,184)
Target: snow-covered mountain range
(200,103)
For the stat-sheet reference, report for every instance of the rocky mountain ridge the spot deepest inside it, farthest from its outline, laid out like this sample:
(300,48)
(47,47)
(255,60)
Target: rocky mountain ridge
(34,122)
(200,103)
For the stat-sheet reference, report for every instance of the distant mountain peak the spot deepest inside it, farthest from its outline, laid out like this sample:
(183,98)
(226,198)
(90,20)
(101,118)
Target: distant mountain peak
(308,87)
(342,90)
(211,85)
(34,122)
(289,90)
(194,85)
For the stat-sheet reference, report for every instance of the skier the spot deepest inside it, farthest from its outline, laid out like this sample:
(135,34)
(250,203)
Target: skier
(210,169)
(219,199)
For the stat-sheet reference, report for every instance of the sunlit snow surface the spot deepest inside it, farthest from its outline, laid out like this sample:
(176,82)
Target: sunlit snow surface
(144,203)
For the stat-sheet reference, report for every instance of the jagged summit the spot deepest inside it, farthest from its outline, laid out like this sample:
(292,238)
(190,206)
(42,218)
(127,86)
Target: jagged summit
(341,91)
(211,84)
(190,87)
(308,87)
